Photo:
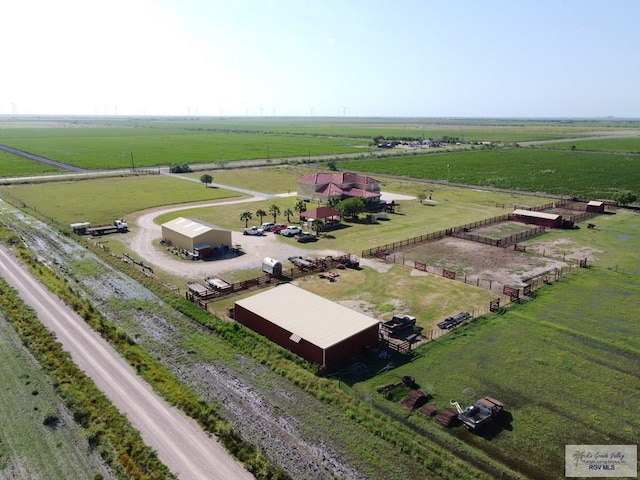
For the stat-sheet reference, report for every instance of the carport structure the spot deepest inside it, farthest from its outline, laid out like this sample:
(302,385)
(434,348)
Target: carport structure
(327,215)
(322,332)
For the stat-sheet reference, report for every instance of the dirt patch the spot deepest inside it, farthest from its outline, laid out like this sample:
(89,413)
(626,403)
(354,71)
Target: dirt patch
(472,259)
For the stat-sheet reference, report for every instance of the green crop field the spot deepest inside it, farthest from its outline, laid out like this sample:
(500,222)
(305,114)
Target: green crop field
(38,437)
(631,145)
(103,148)
(583,174)
(14,166)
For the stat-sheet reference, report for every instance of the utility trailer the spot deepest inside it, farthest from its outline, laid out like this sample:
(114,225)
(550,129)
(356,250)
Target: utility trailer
(85,228)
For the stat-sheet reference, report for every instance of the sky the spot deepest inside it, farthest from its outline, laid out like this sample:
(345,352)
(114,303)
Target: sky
(321,58)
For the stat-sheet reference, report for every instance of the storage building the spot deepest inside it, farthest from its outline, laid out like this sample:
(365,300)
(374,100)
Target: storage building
(195,236)
(322,332)
(595,206)
(543,219)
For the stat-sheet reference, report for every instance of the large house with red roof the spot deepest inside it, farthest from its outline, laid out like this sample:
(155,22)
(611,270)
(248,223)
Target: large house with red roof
(322,187)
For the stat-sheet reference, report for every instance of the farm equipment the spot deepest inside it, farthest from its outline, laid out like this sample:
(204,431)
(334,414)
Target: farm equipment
(454,321)
(85,228)
(397,324)
(485,411)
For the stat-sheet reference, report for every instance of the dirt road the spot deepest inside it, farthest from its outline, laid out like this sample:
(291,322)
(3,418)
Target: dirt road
(179,441)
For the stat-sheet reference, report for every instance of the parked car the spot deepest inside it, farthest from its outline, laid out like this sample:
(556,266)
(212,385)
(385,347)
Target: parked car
(278,227)
(267,226)
(291,231)
(253,231)
(306,237)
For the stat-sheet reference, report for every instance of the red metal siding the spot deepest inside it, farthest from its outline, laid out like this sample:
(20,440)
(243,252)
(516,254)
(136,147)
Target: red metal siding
(334,355)
(350,347)
(308,351)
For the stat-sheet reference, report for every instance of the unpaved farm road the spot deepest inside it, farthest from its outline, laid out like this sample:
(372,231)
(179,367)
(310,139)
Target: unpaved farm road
(180,443)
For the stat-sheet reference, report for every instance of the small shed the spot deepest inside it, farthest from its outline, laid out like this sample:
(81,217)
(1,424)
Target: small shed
(272,266)
(595,206)
(543,219)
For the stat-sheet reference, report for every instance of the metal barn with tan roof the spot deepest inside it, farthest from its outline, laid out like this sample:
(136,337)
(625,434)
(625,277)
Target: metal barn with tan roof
(322,332)
(195,235)
(544,219)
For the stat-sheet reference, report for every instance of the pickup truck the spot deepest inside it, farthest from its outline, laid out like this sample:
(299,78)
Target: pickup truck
(291,231)
(253,231)
(306,237)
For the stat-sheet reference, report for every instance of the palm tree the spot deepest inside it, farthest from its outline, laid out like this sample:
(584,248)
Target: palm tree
(245,217)
(261,214)
(275,211)
(317,225)
(300,206)
(288,212)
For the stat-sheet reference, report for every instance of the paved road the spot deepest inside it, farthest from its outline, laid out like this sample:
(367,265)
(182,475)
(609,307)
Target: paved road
(181,444)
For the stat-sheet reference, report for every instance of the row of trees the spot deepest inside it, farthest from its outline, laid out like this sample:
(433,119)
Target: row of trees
(348,208)
(274,211)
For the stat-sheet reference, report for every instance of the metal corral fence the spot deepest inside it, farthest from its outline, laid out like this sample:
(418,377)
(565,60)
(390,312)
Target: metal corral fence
(297,271)
(429,237)
(499,242)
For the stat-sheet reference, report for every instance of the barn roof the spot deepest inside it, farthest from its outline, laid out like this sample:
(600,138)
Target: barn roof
(190,227)
(309,316)
(531,213)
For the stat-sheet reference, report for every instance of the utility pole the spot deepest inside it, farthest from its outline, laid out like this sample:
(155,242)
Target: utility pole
(133,166)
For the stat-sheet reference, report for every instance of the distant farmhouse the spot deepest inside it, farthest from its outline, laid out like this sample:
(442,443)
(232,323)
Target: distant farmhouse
(322,187)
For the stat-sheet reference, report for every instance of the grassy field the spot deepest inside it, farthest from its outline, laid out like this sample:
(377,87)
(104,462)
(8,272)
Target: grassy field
(12,165)
(566,364)
(99,148)
(631,145)
(566,368)
(101,201)
(575,173)
(119,197)
(38,437)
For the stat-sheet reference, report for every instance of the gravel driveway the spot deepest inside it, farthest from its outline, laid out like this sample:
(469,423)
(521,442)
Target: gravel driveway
(144,231)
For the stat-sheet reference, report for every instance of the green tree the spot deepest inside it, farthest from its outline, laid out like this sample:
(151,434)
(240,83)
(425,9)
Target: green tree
(261,214)
(300,206)
(274,210)
(317,225)
(624,197)
(288,212)
(351,207)
(422,196)
(245,217)
(332,202)
(206,179)
(331,164)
